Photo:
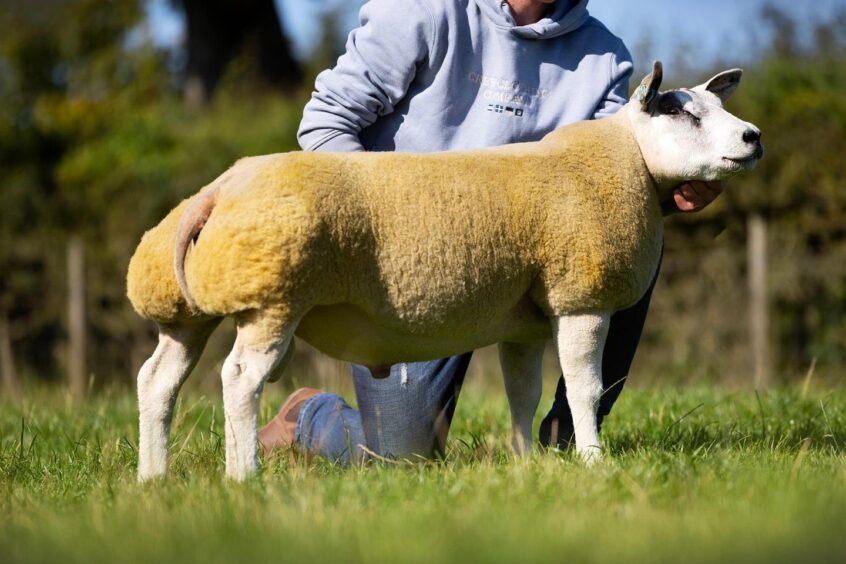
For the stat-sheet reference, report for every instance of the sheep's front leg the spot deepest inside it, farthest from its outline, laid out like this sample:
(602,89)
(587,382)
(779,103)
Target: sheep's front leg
(159,381)
(581,339)
(258,351)
(521,370)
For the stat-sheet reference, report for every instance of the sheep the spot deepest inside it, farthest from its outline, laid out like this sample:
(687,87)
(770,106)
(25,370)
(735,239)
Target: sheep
(380,258)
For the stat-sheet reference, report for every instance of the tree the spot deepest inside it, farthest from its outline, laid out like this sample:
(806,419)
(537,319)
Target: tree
(218,29)
(54,84)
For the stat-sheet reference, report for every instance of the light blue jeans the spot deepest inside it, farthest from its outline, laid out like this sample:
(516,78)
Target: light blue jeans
(406,414)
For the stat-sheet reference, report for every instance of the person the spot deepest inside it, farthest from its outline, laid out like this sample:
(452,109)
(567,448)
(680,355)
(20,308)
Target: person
(435,75)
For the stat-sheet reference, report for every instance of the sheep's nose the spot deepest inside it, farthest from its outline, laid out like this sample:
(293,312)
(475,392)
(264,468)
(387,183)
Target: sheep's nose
(751,136)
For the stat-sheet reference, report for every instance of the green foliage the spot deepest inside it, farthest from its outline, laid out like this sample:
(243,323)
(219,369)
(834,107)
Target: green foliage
(799,187)
(95,140)
(795,96)
(697,476)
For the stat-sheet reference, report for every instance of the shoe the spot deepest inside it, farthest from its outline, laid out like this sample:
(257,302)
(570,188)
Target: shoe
(279,433)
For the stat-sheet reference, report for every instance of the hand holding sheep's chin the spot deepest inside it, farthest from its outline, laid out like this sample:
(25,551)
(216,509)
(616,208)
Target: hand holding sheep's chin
(692,196)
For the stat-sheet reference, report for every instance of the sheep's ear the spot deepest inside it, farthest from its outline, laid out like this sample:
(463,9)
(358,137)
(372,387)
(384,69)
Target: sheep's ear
(647,92)
(723,84)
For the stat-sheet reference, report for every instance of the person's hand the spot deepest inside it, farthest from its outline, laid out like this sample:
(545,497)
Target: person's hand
(692,196)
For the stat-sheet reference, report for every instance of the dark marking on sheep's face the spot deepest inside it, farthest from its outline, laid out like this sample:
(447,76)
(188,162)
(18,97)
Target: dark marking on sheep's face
(673,104)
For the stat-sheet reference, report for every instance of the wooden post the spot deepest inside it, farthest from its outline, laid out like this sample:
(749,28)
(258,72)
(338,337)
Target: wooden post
(11,384)
(77,372)
(759,315)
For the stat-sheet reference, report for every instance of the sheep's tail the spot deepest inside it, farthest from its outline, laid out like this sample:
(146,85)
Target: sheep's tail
(190,224)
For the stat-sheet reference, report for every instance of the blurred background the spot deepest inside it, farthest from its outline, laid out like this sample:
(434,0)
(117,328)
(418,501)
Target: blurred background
(112,111)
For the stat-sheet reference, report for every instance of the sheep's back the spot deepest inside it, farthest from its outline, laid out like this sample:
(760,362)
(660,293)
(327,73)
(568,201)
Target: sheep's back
(434,242)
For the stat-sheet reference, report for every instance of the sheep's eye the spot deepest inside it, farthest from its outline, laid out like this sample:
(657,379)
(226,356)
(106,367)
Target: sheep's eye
(695,118)
(677,111)
(668,106)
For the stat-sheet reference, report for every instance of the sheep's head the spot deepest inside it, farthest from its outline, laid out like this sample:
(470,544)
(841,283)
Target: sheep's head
(686,134)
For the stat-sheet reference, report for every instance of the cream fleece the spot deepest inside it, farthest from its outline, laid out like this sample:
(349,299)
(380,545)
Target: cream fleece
(390,257)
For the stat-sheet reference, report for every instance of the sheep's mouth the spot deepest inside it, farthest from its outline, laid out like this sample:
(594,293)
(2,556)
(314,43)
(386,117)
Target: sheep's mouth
(744,162)
(748,160)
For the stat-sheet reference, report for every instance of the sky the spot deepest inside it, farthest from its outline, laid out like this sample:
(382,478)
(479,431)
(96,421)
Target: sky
(704,31)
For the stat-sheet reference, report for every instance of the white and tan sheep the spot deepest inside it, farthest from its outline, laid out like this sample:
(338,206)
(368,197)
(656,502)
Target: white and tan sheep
(379,258)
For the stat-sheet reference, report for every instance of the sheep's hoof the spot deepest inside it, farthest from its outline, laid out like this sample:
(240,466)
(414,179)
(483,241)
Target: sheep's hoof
(591,455)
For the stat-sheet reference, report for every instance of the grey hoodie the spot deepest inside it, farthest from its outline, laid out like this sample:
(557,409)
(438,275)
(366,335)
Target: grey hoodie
(432,75)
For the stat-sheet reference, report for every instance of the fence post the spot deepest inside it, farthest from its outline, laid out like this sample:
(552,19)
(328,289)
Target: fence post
(759,315)
(11,384)
(77,372)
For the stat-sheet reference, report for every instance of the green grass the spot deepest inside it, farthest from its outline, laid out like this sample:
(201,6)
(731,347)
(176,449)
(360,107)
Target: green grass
(693,475)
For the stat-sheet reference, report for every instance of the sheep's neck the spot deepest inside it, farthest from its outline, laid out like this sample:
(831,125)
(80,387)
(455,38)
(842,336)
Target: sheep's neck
(663,184)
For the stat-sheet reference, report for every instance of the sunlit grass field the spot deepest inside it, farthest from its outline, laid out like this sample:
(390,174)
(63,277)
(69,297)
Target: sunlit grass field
(692,475)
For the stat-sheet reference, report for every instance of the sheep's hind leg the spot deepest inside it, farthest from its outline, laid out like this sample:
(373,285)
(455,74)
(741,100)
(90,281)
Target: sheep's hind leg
(521,371)
(581,339)
(159,381)
(259,349)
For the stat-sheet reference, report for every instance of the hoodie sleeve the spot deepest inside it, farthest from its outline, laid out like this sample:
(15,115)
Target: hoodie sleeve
(371,77)
(618,89)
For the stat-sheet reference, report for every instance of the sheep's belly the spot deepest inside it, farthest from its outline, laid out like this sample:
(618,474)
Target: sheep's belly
(346,332)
